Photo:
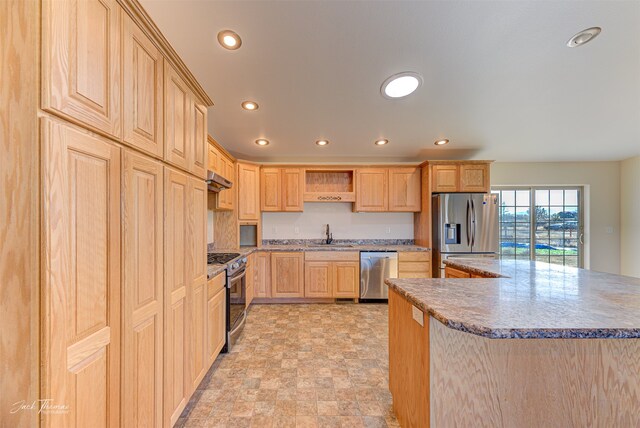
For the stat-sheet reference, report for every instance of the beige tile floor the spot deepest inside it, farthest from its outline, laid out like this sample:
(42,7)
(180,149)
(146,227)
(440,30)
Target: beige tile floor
(322,365)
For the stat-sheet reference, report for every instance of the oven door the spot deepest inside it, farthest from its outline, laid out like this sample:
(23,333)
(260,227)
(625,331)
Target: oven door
(236,300)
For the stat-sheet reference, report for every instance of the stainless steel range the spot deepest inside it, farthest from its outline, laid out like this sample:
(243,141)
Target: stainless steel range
(236,293)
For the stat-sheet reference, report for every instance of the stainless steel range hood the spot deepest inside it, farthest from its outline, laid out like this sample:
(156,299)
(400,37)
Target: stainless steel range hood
(216,182)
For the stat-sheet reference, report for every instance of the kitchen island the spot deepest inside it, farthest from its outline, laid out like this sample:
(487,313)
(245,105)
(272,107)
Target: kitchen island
(519,344)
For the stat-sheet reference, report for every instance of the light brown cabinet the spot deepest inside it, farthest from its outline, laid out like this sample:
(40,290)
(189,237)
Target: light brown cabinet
(248,184)
(450,272)
(225,198)
(251,277)
(404,189)
(143,97)
(177,111)
(330,274)
(216,316)
(388,189)
(287,274)
(198,136)
(372,189)
(472,177)
(318,280)
(142,306)
(282,189)
(81,285)
(81,62)
(176,283)
(262,283)
(414,264)
(197,280)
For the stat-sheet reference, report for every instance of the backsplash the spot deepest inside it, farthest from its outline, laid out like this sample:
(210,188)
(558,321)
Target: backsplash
(345,224)
(338,241)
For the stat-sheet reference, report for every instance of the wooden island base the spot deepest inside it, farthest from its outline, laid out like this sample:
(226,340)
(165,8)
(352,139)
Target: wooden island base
(443,377)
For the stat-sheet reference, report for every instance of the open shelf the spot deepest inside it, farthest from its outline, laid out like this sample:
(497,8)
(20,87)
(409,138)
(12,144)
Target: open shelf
(329,185)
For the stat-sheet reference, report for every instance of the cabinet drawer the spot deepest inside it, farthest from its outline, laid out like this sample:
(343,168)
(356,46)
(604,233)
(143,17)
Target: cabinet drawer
(216,283)
(414,266)
(414,256)
(421,274)
(338,256)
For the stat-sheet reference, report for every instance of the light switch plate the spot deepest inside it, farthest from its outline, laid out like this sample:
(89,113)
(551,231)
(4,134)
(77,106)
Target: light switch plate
(418,316)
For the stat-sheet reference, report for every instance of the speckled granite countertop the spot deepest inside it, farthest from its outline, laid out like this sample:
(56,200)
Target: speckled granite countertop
(529,300)
(214,269)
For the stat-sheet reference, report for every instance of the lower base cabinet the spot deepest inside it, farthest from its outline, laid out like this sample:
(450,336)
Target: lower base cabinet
(331,274)
(450,272)
(262,281)
(216,316)
(414,264)
(287,274)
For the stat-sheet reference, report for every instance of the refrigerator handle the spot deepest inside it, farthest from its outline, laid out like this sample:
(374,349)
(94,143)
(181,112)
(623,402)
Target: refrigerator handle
(473,224)
(468,223)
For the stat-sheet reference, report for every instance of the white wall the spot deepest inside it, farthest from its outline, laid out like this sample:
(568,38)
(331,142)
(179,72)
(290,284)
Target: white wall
(602,201)
(630,217)
(345,224)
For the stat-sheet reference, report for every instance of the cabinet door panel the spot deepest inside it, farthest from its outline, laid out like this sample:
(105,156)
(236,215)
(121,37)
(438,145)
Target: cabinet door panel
(216,327)
(262,285)
(445,178)
(248,192)
(270,189)
(197,280)
(81,67)
(346,279)
(318,281)
(198,161)
(372,189)
(292,189)
(143,291)
(404,189)
(175,298)
(213,159)
(143,91)
(287,275)
(81,283)
(474,178)
(177,111)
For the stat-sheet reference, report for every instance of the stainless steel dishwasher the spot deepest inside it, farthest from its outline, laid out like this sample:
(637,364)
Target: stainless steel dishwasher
(375,267)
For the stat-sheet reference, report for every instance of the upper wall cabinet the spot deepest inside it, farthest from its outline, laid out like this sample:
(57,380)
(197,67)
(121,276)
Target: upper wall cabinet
(372,187)
(198,151)
(143,91)
(472,177)
(282,189)
(404,189)
(81,62)
(388,189)
(177,111)
(248,184)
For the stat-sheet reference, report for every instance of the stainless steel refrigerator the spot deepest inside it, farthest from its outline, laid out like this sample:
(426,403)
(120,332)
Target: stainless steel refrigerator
(464,225)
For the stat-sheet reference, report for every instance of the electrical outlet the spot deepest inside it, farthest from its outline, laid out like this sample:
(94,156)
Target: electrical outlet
(296,230)
(608,230)
(274,229)
(388,230)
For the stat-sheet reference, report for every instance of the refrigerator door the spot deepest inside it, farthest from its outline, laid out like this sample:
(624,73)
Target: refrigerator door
(484,220)
(453,223)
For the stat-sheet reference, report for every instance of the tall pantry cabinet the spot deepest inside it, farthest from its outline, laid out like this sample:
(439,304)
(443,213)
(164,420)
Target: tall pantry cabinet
(124,298)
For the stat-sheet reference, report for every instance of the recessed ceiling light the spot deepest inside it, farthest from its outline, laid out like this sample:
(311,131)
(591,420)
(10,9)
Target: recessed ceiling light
(262,142)
(250,105)
(381,142)
(400,85)
(229,40)
(584,36)
(441,142)
(322,142)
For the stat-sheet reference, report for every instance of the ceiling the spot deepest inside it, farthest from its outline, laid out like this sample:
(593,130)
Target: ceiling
(499,81)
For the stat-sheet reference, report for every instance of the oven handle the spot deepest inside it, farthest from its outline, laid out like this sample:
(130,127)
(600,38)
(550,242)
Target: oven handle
(235,278)
(240,324)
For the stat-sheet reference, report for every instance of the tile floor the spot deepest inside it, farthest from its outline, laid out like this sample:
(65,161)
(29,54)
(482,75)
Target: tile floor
(322,365)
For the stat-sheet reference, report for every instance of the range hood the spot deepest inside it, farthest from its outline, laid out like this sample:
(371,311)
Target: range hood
(216,182)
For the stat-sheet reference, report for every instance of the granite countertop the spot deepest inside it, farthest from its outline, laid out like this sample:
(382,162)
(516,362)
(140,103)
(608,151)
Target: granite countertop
(214,269)
(529,300)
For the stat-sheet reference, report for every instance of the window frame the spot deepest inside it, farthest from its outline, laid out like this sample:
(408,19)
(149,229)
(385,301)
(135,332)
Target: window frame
(532,218)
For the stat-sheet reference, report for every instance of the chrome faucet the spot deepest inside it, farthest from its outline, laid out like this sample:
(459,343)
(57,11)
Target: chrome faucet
(329,239)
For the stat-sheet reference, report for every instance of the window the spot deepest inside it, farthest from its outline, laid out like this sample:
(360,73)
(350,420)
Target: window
(543,224)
